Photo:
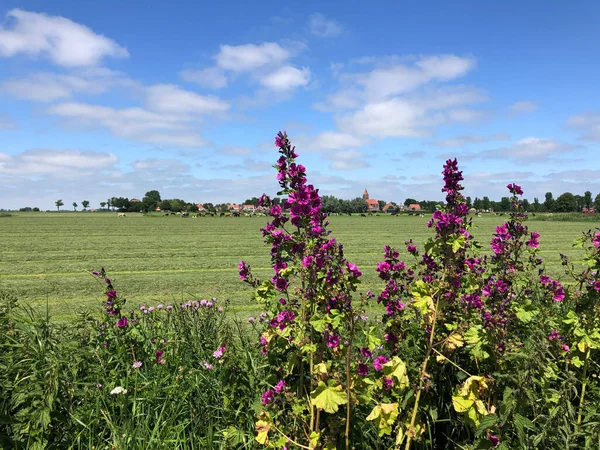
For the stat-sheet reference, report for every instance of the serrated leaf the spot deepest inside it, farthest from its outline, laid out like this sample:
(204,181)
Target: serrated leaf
(318,323)
(454,341)
(486,422)
(461,404)
(328,397)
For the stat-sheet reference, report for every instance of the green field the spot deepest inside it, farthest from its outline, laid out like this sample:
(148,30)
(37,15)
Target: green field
(47,257)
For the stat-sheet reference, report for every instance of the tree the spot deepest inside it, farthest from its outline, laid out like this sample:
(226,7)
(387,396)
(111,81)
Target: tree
(565,203)
(176,205)
(102,205)
(469,203)
(477,204)
(109,203)
(587,199)
(382,203)
(58,204)
(151,200)
(409,201)
(165,205)
(74,206)
(485,203)
(549,202)
(504,204)
(597,203)
(251,201)
(579,203)
(536,204)
(526,205)
(85,204)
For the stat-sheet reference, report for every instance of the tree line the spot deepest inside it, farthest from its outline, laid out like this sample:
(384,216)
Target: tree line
(566,202)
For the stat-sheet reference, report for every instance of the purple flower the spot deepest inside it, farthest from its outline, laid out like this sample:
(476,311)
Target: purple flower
(280,387)
(566,348)
(379,362)
(387,383)
(365,352)
(533,241)
(554,335)
(333,340)
(353,270)
(363,370)
(207,366)
(169,307)
(251,319)
(137,364)
(158,357)
(122,322)
(217,354)
(495,440)
(267,397)
(515,189)
(596,240)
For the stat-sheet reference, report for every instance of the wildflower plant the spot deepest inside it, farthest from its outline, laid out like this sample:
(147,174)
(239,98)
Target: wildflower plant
(310,325)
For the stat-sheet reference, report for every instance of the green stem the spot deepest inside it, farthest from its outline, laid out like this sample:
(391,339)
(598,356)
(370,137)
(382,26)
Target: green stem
(422,376)
(348,380)
(583,386)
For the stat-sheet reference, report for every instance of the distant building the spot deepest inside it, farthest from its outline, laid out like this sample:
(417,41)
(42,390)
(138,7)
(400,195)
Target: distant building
(201,207)
(390,207)
(414,207)
(248,208)
(371,202)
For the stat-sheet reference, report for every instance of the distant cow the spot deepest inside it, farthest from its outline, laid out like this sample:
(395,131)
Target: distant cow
(121,215)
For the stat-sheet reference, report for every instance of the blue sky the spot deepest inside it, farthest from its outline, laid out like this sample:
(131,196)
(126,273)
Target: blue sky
(112,98)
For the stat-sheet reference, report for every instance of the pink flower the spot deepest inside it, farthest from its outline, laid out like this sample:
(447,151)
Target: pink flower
(379,362)
(566,348)
(267,397)
(387,383)
(122,322)
(356,273)
(218,354)
(495,440)
(137,364)
(596,240)
(363,370)
(280,387)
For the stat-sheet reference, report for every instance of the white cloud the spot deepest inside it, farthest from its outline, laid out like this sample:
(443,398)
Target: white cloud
(136,124)
(211,77)
(286,78)
(531,148)
(461,141)
(588,124)
(56,162)
(249,57)
(160,164)
(347,160)
(388,82)
(320,26)
(66,43)
(47,87)
(522,107)
(168,98)
(235,150)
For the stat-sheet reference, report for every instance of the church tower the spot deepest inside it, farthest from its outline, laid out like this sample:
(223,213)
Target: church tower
(366,195)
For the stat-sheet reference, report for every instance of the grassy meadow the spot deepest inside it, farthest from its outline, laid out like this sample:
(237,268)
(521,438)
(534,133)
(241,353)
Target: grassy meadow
(47,257)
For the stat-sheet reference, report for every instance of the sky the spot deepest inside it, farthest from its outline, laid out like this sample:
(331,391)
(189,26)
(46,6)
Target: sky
(112,98)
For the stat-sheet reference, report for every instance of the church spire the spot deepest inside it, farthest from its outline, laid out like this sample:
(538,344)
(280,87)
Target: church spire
(366,194)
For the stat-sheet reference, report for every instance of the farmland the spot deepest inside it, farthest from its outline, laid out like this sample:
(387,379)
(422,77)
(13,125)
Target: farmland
(47,257)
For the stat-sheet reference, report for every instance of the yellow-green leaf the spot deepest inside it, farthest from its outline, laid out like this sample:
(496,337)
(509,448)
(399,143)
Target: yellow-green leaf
(397,369)
(328,397)
(262,432)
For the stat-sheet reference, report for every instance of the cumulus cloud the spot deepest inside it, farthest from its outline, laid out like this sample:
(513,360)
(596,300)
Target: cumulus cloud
(249,57)
(286,78)
(211,77)
(531,148)
(588,124)
(168,98)
(522,107)
(320,26)
(56,162)
(63,41)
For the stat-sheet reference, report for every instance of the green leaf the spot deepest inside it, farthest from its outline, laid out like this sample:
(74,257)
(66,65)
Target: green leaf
(396,368)
(328,397)
(488,421)
(526,313)
(318,323)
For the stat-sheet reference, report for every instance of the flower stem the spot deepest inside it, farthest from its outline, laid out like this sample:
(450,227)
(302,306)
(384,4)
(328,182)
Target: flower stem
(583,386)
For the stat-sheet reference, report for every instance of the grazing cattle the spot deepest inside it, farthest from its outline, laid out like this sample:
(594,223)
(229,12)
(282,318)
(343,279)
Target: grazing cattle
(166,214)
(363,215)
(185,214)
(121,215)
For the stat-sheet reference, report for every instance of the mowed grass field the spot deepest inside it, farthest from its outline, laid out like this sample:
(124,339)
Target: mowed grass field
(47,257)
